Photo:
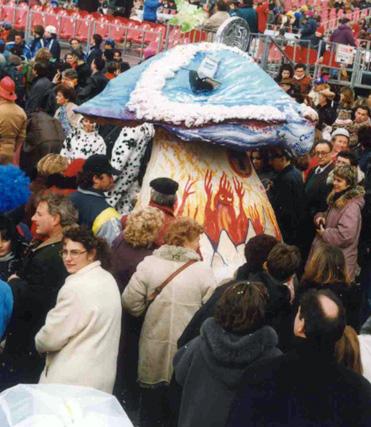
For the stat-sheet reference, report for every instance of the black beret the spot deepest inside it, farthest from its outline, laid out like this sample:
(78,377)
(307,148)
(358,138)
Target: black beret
(165,186)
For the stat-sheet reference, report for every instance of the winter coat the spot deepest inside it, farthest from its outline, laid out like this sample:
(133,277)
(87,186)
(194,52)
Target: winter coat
(125,259)
(168,315)
(37,97)
(343,35)
(35,293)
(96,213)
(288,202)
(304,84)
(279,309)
(36,44)
(249,15)
(53,45)
(44,135)
(343,226)
(95,52)
(210,369)
(308,30)
(13,122)
(326,115)
(202,314)
(94,86)
(305,387)
(317,190)
(81,333)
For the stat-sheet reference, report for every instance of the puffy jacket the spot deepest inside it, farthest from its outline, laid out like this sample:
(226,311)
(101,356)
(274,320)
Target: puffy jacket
(343,35)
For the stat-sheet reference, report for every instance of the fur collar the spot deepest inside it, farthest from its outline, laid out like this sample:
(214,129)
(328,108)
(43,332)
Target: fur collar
(352,193)
(176,253)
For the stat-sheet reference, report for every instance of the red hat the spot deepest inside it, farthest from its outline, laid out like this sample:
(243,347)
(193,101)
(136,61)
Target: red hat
(7,89)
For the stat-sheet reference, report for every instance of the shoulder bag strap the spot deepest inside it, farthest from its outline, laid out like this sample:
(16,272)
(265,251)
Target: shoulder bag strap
(158,290)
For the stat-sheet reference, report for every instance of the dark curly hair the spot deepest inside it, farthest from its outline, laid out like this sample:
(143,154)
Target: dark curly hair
(257,250)
(241,309)
(85,236)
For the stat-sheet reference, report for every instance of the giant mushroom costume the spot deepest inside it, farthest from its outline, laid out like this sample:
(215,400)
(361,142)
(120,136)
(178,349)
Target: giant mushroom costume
(202,138)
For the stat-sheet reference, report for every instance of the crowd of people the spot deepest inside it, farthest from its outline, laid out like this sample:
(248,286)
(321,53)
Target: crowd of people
(97,294)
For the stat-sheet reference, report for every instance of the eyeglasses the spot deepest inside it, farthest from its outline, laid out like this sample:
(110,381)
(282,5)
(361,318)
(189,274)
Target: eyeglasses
(73,254)
(321,153)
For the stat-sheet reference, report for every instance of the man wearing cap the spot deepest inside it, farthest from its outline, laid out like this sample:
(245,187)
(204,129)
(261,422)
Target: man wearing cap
(13,121)
(89,199)
(163,197)
(51,42)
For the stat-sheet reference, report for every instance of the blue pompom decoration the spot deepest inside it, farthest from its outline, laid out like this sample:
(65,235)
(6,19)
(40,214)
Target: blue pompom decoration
(14,188)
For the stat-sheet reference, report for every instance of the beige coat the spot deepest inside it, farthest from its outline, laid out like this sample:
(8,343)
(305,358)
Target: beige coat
(81,333)
(171,311)
(13,122)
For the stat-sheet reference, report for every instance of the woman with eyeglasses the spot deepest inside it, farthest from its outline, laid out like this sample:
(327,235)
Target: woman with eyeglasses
(81,333)
(211,367)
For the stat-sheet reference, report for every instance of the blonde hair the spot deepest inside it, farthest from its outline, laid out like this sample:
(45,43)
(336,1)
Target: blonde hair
(52,163)
(326,266)
(181,231)
(347,350)
(143,226)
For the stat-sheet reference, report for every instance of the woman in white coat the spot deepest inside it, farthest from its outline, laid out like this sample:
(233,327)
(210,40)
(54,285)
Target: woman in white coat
(82,332)
(171,310)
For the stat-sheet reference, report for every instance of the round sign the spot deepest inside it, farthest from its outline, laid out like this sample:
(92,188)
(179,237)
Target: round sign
(234,32)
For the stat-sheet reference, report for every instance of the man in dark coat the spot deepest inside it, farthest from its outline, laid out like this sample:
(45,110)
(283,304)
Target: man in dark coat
(37,97)
(95,83)
(287,197)
(35,288)
(306,387)
(316,187)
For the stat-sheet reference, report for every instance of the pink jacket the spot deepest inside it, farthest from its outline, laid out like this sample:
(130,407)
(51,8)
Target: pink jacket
(343,226)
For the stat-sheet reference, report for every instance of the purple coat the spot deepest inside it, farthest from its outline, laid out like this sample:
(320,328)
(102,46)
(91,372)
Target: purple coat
(343,226)
(343,35)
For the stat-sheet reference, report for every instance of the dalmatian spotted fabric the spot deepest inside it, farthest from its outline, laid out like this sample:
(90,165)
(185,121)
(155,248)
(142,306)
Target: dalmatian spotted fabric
(81,145)
(127,154)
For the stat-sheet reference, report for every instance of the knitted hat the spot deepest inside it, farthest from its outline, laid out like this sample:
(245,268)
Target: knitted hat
(340,131)
(349,173)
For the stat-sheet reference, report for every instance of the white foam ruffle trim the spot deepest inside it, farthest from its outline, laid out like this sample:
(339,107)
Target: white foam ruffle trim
(149,103)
